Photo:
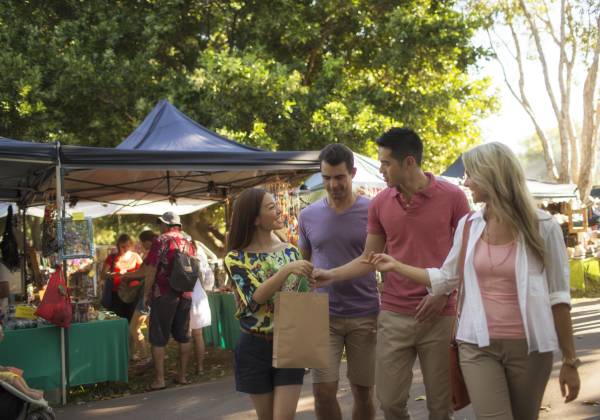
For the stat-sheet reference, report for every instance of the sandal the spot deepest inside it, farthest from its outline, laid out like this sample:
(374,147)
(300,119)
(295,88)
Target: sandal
(150,388)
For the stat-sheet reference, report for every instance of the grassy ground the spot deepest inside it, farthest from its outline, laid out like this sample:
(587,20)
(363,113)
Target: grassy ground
(217,363)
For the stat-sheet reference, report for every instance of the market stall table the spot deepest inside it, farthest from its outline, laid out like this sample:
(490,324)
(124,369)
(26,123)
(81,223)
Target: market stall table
(96,352)
(37,352)
(225,328)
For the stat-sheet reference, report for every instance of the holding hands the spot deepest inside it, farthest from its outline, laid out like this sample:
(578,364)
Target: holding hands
(381,262)
(300,268)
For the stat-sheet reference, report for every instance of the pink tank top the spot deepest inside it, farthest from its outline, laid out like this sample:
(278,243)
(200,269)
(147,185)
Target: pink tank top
(495,268)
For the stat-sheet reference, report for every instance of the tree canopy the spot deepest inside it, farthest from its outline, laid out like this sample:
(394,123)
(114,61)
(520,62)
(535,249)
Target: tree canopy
(281,75)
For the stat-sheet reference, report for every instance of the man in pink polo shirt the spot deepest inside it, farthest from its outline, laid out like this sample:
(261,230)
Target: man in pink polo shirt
(414,219)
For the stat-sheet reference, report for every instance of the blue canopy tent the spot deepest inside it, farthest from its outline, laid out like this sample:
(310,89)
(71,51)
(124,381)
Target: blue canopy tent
(167,128)
(170,162)
(456,170)
(24,166)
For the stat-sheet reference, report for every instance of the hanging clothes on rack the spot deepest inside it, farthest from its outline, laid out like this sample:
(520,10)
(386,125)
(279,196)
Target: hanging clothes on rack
(9,246)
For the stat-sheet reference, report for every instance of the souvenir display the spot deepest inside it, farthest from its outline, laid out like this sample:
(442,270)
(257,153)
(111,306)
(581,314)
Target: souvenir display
(49,238)
(77,238)
(290,204)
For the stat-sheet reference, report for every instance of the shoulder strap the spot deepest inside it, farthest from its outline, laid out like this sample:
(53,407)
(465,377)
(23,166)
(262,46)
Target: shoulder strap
(461,271)
(113,262)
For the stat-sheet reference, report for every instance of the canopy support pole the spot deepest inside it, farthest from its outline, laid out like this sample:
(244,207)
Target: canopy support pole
(24,254)
(61,213)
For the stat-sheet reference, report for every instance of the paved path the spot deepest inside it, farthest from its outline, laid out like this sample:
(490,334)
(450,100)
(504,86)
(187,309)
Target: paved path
(218,400)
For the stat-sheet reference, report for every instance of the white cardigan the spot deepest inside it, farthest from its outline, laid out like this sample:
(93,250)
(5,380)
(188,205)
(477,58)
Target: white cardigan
(537,290)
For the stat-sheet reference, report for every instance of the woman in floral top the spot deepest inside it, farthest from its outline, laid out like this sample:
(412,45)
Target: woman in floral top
(261,265)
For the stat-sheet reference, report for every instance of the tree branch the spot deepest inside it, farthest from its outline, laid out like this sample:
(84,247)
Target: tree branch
(564,138)
(521,97)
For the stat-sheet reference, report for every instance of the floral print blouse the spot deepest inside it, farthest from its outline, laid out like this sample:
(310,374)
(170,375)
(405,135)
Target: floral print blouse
(248,271)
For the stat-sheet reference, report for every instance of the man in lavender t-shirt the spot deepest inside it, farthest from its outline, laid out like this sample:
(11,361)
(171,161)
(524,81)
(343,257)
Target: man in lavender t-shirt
(333,231)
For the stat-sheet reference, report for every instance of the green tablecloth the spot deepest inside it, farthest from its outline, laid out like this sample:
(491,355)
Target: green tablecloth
(37,352)
(96,352)
(582,268)
(225,328)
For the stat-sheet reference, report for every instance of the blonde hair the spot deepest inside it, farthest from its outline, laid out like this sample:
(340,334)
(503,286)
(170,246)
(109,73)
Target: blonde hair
(497,171)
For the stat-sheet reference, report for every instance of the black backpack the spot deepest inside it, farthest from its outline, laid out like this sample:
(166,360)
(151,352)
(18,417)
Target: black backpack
(185,270)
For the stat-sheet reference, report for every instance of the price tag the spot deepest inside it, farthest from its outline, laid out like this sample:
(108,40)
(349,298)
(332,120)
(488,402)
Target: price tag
(78,215)
(25,312)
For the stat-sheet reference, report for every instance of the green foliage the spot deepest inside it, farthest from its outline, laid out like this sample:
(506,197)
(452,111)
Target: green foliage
(280,75)
(108,228)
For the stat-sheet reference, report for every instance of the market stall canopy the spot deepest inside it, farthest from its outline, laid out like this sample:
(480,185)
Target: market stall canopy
(456,170)
(367,175)
(107,175)
(547,190)
(164,128)
(24,166)
(167,128)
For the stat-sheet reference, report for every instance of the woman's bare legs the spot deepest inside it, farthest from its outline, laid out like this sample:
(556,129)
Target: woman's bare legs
(263,404)
(286,401)
(199,349)
(137,341)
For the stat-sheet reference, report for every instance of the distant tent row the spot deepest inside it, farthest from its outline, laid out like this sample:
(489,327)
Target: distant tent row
(539,190)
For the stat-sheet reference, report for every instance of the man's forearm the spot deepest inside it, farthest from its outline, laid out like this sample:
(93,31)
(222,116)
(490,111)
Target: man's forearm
(353,269)
(149,277)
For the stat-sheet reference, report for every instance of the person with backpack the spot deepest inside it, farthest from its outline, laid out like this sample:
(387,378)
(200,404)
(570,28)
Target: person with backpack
(170,276)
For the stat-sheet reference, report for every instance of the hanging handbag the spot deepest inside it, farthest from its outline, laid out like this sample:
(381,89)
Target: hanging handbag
(129,290)
(56,304)
(458,388)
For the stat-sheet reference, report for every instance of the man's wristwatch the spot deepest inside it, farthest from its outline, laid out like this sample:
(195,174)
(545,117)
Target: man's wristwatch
(574,362)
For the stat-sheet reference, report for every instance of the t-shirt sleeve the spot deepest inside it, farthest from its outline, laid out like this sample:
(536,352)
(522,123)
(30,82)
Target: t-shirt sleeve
(461,207)
(373,223)
(153,255)
(303,241)
(244,280)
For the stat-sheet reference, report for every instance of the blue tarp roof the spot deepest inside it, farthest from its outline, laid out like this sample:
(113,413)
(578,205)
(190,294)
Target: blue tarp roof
(456,170)
(167,128)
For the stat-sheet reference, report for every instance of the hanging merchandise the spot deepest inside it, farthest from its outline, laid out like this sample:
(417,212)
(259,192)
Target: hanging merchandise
(290,205)
(77,238)
(8,246)
(49,240)
(56,304)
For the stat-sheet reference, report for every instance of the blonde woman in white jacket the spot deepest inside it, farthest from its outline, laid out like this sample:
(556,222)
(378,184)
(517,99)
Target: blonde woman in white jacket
(516,307)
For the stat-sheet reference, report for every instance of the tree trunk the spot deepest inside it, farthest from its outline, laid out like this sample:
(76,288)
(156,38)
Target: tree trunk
(201,228)
(591,121)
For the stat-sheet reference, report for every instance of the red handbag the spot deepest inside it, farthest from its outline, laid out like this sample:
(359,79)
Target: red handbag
(56,304)
(460,395)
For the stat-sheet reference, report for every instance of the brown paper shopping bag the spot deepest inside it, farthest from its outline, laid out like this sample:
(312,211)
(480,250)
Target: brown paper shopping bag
(301,331)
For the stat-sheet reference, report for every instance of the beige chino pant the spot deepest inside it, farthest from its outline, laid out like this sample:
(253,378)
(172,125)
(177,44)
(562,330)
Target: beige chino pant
(400,339)
(503,380)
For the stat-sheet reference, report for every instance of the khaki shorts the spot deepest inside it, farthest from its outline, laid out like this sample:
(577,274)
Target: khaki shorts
(359,337)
